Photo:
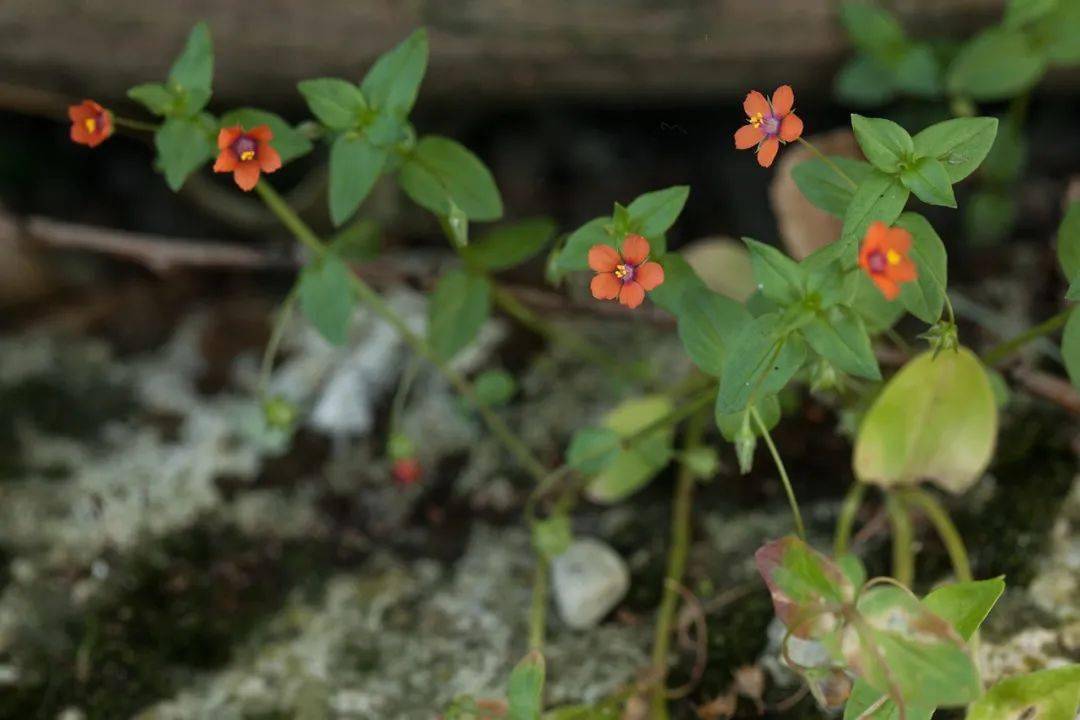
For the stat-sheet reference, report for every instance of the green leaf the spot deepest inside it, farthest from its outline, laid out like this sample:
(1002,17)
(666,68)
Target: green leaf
(925,297)
(355,165)
(633,467)
(338,104)
(1070,347)
(864,81)
(803,584)
(1044,695)
(965,604)
(879,197)
(1068,241)
(936,419)
(778,277)
(575,252)
(702,462)
(878,314)
(458,308)
(1022,12)
(393,81)
(824,187)
(731,424)
(288,141)
(510,245)
(182,147)
(996,65)
(653,213)
(552,536)
(899,646)
(960,144)
(1073,293)
(1005,161)
(766,360)
(526,690)
(357,242)
(929,181)
(592,449)
(494,387)
(456,226)
(871,29)
(706,321)
(193,69)
(327,297)
(679,278)
(886,145)
(155,97)
(1056,33)
(917,72)
(440,171)
(839,336)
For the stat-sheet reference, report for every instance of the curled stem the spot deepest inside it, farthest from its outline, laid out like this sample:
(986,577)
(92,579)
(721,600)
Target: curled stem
(676,565)
(799,527)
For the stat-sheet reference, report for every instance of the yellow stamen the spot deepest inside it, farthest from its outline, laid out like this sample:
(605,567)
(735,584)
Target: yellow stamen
(893,257)
(247,155)
(90,124)
(621,271)
(756,119)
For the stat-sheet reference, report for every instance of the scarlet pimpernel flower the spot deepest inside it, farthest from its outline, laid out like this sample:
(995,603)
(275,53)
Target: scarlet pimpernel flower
(406,471)
(884,257)
(246,153)
(91,124)
(626,275)
(769,122)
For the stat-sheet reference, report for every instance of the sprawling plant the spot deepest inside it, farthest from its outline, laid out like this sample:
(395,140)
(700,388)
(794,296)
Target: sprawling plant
(870,646)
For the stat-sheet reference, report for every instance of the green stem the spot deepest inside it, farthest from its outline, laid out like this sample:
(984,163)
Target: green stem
(903,540)
(134,124)
(846,522)
(676,566)
(946,530)
(1002,350)
(397,406)
(538,608)
(824,158)
(276,335)
(373,300)
(799,527)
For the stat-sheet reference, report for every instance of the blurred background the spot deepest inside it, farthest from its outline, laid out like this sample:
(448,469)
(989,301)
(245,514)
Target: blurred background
(165,554)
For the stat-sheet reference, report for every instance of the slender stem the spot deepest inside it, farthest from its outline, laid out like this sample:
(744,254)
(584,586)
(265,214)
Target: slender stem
(538,608)
(373,300)
(799,527)
(276,335)
(825,158)
(846,522)
(134,124)
(571,340)
(676,565)
(903,540)
(1002,350)
(397,406)
(946,530)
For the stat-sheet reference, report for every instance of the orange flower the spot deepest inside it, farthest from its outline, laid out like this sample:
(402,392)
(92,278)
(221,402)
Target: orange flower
(883,256)
(770,122)
(91,124)
(246,153)
(626,276)
(406,471)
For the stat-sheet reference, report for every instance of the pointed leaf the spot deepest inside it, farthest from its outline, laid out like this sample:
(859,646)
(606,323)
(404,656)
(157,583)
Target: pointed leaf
(927,178)
(182,148)
(925,297)
(633,467)
(458,308)
(878,197)
(653,213)
(338,104)
(839,336)
(510,245)
(327,297)
(808,589)
(526,690)
(707,321)
(193,69)
(441,172)
(1043,695)
(960,144)
(393,82)
(886,145)
(824,187)
(778,277)
(355,165)
(766,360)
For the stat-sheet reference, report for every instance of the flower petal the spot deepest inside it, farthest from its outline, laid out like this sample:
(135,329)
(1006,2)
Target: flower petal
(791,128)
(783,99)
(756,103)
(603,258)
(876,237)
(887,287)
(904,271)
(246,175)
(632,295)
(635,249)
(747,137)
(767,152)
(898,239)
(605,286)
(78,113)
(649,275)
(261,133)
(228,136)
(269,160)
(226,161)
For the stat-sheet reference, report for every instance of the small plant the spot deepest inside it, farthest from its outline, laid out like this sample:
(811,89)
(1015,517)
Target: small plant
(884,651)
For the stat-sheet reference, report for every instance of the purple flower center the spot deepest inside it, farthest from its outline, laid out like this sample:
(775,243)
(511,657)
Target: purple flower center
(624,272)
(877,262)
(770,125)
(245,147)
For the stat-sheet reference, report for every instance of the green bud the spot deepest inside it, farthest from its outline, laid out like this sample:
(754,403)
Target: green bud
(279,413)
(399,447)
(745,445)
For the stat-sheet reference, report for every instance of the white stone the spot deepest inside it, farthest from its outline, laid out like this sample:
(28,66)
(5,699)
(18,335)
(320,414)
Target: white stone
(588,580)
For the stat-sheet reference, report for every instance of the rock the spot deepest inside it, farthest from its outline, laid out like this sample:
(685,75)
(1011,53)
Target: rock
(588,580)
(723,264)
